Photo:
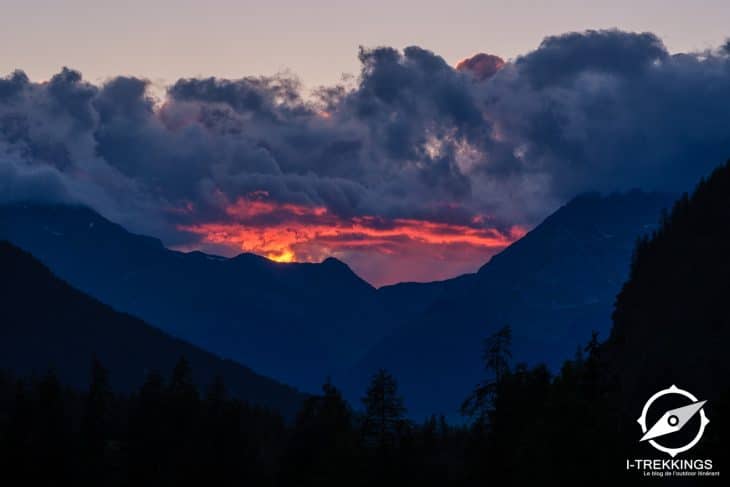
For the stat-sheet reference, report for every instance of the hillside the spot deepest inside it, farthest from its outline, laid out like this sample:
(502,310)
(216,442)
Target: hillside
(295,322)
(672,320)
(553,286)
(302,322)
(48,324)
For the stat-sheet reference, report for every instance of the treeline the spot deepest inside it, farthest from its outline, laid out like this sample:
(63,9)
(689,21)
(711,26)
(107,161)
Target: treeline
(167,433)
(523,425)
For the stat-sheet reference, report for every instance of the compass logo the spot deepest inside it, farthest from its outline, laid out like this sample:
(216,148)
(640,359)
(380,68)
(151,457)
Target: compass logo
(673,420)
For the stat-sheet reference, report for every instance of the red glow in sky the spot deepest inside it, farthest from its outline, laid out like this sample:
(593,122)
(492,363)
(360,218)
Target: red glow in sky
(382,251)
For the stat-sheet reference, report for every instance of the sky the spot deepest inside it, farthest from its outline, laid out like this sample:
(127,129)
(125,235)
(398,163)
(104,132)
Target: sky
(317,39)
(229,128)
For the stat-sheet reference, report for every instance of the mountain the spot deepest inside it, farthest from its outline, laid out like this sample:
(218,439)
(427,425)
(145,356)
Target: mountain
(48,324)
(303,322)
(553,287)
(298,323)
(672,320)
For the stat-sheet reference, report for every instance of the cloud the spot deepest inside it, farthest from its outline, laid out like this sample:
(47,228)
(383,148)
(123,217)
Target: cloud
(488,146)
(611,110)
(482,66)
(20,183)
(610,52)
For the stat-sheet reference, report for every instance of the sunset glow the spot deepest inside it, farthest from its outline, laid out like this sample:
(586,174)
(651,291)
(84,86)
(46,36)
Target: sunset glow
(406,247)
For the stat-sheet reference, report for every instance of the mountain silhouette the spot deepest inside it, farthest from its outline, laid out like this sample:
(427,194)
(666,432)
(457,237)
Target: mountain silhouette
(295,322)
(301,323)
(48,325)
(554,286)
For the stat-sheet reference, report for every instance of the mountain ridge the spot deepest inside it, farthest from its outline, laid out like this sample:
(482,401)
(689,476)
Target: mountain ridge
(47,324)
(304,322)
(553,286)
(295,322)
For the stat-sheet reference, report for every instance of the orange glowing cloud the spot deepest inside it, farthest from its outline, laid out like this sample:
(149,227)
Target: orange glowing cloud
(406,248)
(483,66)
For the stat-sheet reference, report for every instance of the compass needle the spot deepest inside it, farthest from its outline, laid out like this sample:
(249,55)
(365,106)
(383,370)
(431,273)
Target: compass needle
(673,420)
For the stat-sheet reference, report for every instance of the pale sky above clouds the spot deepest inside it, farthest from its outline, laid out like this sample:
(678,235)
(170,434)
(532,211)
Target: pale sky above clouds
(315,39)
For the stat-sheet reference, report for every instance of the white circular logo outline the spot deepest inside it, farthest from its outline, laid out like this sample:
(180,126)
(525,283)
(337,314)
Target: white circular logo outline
(673,452)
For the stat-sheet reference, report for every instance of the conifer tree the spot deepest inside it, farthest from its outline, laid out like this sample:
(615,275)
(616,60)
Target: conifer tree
(384,410)
(95,420)
(323,446)
(497,355)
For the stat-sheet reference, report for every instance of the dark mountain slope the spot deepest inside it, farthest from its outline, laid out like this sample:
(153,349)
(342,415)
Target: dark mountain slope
(672,317)
(305,321)
(47,324)
(295,322)
(553,286)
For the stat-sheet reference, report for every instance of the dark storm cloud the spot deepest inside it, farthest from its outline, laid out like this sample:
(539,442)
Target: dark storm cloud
(124,98)
(608,110)
(413,137)
(563,58)
(271,98)
(725,48)
(12,85)
(73,97)
(40,184)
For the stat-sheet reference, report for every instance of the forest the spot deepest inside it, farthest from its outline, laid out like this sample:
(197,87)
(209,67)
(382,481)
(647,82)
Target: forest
(170,433)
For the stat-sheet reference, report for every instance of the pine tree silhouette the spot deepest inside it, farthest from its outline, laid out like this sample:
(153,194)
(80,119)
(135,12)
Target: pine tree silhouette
(497,355)
(147,432)
(384,411)
(52,431)
(183,421)
(94,423)
(323,448)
